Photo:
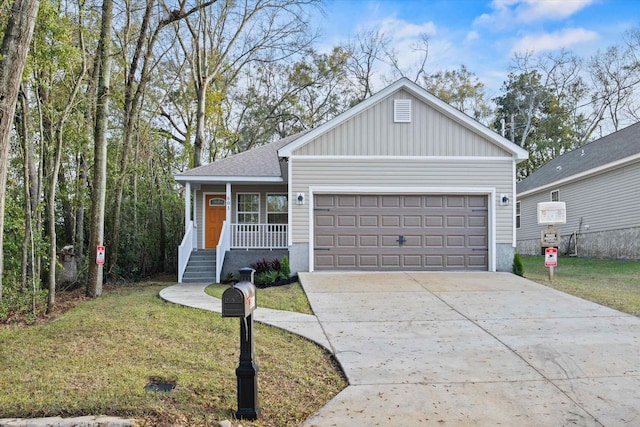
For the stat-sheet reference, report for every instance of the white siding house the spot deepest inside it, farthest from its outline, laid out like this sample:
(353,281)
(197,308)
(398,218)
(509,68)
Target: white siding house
(600,185)
(402,181)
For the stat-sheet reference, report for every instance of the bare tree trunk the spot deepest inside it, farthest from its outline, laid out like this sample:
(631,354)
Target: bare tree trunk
(13,55)
(29,205)
(94,281)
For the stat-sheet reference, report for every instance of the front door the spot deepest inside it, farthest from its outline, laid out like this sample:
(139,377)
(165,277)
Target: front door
(214,217)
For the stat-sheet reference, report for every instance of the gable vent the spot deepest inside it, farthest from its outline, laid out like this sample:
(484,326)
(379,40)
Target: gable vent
(402,110)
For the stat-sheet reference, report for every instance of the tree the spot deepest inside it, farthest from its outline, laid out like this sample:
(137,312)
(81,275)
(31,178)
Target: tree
(229,37)
(462,90)
(366,50)
(13,55)
(539,107)
(96,238)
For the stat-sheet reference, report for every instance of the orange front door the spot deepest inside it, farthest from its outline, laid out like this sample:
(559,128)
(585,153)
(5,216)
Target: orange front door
(215,214)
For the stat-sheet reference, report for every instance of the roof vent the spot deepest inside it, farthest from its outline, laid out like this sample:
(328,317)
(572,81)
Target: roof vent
(402,110)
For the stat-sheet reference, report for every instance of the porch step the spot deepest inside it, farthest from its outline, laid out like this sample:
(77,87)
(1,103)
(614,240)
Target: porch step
(201,267)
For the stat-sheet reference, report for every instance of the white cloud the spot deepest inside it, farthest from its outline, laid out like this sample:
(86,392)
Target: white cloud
(510,13)
(552,41)
(471,36)
(403,30)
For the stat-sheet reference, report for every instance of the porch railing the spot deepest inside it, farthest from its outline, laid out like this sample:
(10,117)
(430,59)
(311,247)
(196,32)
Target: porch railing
(258,236)
(224,244)
(189,243)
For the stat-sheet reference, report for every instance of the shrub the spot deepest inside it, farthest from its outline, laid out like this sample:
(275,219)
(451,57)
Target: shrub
(261,266)
(284,266)
(518,266)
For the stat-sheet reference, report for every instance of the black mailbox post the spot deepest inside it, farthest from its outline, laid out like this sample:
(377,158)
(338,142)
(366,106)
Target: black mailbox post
(240,301)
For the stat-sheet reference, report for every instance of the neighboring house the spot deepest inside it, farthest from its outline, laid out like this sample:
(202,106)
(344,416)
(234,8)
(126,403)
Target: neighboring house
(401,181)
(600,185)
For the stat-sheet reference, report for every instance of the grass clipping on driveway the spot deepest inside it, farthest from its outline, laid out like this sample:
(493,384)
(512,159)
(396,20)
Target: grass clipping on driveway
(97,358)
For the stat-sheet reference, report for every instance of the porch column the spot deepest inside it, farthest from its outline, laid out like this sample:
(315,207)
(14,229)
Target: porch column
(187,205)
(228,197)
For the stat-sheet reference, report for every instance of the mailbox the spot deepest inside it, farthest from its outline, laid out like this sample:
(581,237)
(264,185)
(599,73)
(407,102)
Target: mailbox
(239,300)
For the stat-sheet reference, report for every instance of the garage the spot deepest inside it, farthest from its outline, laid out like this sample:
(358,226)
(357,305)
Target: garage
(400,232)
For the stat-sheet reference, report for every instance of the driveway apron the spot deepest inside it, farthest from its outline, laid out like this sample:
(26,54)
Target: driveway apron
(477,349)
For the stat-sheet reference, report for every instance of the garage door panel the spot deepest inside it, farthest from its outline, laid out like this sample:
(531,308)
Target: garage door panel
(390,221)
(477,221)
(369,221)
(369,241)
(412,221)
(325,221)
(347,241)
(390,232)
(346,201)
(346,261)
(346,221)
(477,241)
(325,241)
(434,221)
(434,242)
(455,221)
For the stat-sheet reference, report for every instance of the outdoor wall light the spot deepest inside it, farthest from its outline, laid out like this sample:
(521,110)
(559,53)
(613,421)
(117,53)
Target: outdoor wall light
(300,199)
(504,200)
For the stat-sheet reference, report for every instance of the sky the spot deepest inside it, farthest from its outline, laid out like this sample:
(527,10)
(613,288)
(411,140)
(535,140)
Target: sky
(483,35)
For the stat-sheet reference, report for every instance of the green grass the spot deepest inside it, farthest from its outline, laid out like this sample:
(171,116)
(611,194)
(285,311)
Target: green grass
(613,283)
(287,297)
(97,357)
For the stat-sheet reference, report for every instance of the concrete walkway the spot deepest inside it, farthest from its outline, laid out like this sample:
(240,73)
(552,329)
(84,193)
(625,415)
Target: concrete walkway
(476,349)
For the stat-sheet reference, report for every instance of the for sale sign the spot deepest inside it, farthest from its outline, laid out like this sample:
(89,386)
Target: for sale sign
(100,255)
(551,257)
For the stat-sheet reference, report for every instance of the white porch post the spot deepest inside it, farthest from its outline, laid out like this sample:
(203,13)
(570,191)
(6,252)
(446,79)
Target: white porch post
(228,197)
(187,205)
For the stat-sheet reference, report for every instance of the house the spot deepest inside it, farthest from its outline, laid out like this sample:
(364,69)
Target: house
(600,185)
(401,181)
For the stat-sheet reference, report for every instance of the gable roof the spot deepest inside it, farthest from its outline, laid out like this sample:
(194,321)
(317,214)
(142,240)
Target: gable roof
(601,154)
(518,153)
(260,164)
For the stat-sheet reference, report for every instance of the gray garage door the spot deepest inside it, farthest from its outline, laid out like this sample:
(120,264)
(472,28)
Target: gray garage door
(400,232)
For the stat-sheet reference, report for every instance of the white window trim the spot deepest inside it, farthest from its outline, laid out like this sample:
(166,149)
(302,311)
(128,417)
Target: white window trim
(286,211)
(238,212)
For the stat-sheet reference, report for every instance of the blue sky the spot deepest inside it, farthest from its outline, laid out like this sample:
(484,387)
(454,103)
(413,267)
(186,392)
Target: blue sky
(483,34)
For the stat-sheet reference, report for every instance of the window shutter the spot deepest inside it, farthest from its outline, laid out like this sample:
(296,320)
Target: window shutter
(402,110)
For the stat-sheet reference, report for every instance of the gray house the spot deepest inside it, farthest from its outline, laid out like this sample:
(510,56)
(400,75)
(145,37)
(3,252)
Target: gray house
(401,181)
(600,185)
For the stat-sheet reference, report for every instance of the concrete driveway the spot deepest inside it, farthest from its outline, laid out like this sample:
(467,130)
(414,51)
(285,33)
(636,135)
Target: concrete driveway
(477,349)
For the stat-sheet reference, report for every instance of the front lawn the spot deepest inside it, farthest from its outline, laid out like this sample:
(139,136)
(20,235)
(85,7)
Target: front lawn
(613,283)
(97,358)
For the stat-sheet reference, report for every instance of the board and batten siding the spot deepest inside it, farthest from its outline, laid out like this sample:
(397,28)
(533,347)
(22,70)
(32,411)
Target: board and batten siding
(606,201)
(430,133)
(373,173)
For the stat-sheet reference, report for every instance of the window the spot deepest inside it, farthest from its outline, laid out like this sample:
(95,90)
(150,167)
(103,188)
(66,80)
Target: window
(277,209)
(518,214)
(248,209)
(555,196)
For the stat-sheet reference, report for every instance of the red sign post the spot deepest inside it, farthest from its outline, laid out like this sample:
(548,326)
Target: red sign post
(551,260)
(100,255)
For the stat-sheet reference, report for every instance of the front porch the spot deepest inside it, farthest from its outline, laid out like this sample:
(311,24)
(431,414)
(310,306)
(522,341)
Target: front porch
(242,237)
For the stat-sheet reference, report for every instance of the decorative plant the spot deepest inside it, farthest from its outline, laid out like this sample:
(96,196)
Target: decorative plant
(518,266)
(269,272)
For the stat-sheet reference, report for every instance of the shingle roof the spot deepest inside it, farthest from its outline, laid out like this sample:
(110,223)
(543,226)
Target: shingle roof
(611,148)
(261,161)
